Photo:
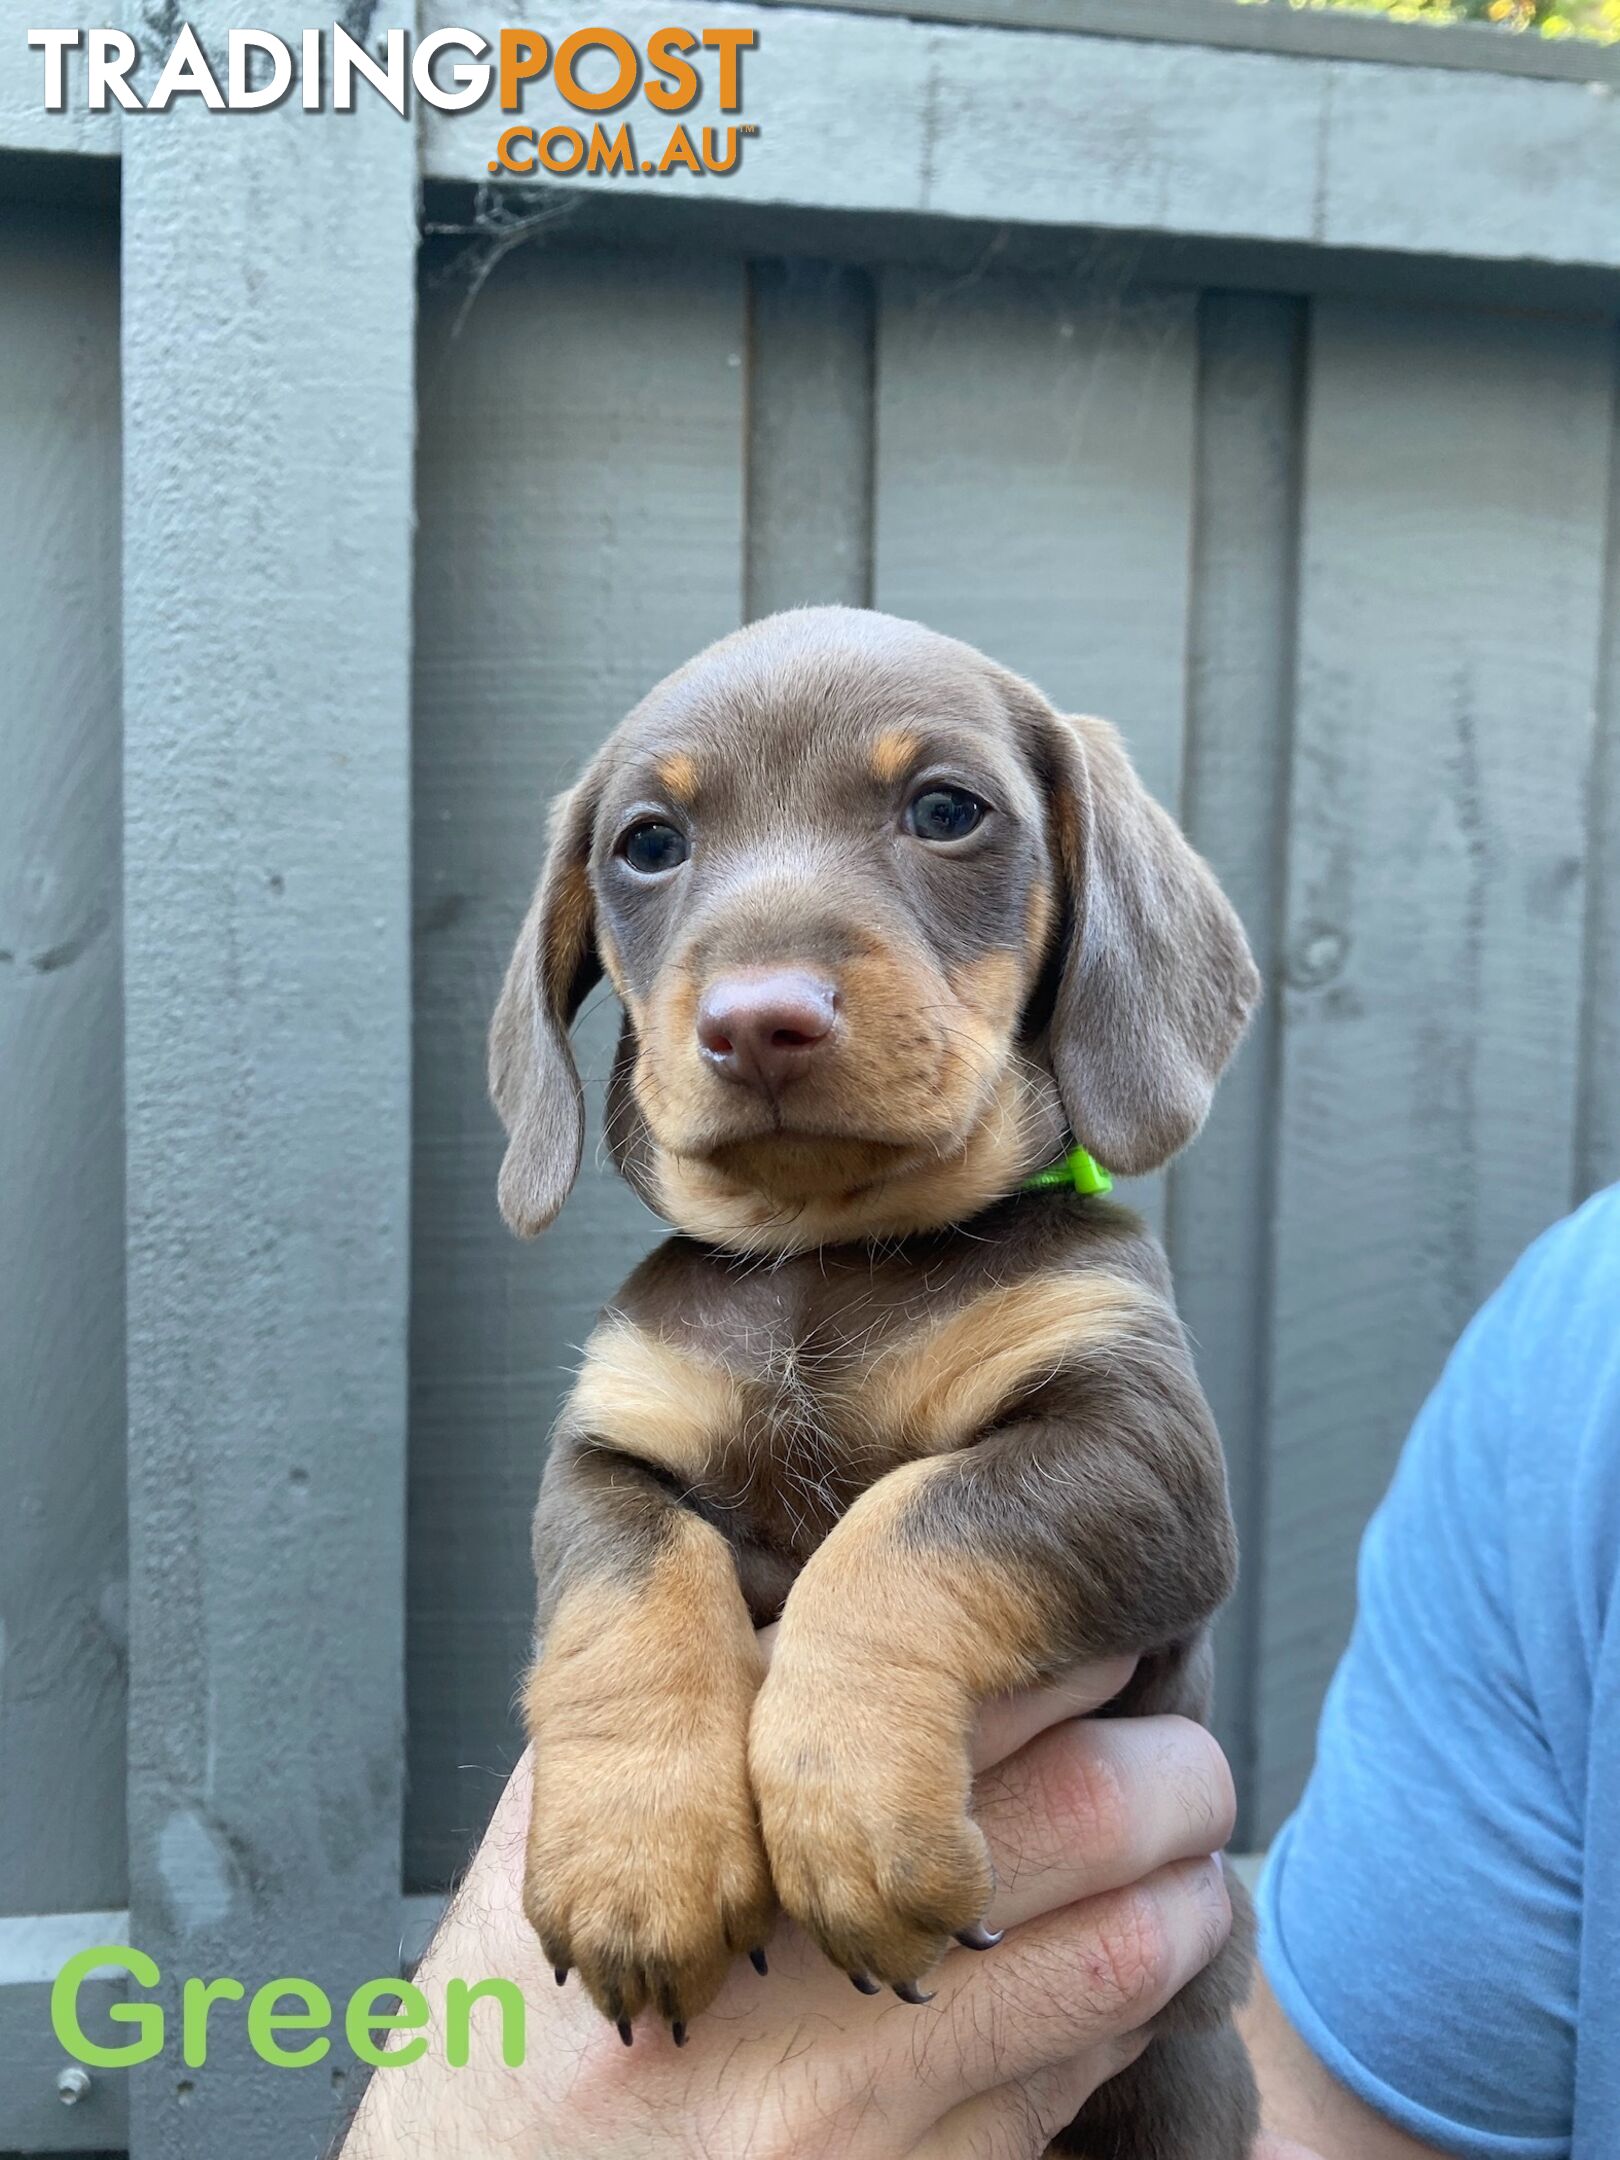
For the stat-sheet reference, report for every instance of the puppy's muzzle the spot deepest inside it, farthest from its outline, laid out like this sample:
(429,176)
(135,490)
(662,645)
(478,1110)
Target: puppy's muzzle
(763,1028)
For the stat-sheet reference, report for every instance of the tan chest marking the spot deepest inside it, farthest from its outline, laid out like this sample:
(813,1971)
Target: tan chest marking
(926,1392)
(693,1415)
(934,1390)
(655,1399)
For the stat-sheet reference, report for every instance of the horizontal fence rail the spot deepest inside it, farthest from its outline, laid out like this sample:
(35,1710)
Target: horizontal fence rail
(1260,127)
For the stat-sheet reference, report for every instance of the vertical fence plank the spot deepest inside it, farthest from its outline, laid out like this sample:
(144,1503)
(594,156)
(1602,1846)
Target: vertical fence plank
(581,489)
(809,521)
(1035,494)
(1240,698)
(1597,1160)
(1451,563)
(62,1564)
(268,350)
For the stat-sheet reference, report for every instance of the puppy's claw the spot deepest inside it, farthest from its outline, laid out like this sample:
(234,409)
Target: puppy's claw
(909,1992)
(625,2032)
(979,1937)
(677,2032)
(866,1984)
(756,1958)
(559,1973)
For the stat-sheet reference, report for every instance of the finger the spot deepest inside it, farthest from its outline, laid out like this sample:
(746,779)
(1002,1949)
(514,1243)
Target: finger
(1064,1985)
(1018,2122)
(1007,1722)
(1091,1807)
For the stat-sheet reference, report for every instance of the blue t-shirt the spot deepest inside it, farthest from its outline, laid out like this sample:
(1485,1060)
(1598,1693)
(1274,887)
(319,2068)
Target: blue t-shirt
(1440,1920)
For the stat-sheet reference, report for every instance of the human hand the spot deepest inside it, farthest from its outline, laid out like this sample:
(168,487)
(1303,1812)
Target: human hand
(1101,1834)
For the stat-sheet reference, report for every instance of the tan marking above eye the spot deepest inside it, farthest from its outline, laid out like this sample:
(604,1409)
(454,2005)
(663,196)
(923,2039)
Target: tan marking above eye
(936,1389)
(678,774)
(654,1399)
(891,754)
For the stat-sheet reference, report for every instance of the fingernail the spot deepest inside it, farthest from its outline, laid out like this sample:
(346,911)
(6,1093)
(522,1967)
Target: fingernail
(1220,1864)
(756,1958)
(865,1982)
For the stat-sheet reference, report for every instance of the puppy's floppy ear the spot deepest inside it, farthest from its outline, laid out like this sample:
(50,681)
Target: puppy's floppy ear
(533,1079)
(1157,982)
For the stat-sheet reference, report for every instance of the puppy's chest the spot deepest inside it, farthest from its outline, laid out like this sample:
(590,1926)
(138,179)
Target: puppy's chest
(808,1413)
(775,1398)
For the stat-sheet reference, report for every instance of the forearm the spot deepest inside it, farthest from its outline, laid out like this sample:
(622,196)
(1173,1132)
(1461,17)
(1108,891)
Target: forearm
(1300,2099)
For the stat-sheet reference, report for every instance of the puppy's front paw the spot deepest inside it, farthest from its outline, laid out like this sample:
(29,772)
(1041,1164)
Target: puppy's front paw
(645,1870)
(863,1799)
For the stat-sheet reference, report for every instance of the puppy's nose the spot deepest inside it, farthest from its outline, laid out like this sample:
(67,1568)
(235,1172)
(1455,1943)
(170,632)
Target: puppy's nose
(762,1027)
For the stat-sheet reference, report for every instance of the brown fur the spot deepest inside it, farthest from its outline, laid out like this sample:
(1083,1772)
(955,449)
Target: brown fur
(672,1408)
(950,1435)
(952,1379)
(679,774)
(892,753)
(644,1692)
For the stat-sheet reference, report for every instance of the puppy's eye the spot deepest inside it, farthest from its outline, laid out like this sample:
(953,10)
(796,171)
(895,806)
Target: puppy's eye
(945,813)
(653,846)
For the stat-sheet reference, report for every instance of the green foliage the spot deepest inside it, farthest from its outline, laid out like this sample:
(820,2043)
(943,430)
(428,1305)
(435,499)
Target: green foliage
(1593,19)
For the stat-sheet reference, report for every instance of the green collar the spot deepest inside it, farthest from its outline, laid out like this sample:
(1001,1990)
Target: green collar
(1077,1172)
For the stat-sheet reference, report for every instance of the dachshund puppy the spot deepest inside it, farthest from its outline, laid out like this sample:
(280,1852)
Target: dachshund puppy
(890,935)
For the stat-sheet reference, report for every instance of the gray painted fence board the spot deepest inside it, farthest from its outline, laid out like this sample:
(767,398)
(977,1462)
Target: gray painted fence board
(1104,127)
(1325,39)
(809,518)
(31,2111)
(268,306)
(1034,488)
(24,122)
(1239,713)
(1027,127)
(1321,34)
(1034,495)
(582,495)
(1598,1131)
(1452,559)
(62,1552)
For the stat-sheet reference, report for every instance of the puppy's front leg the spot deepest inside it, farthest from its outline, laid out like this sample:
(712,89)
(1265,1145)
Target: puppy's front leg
(1092,1523)
(644,1868)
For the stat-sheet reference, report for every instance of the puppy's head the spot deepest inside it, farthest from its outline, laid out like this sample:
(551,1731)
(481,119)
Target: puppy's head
(885,929)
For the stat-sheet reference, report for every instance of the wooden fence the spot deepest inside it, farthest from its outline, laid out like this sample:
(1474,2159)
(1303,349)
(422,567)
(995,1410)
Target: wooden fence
(1245,376)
